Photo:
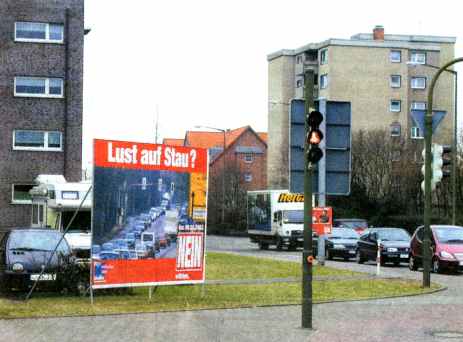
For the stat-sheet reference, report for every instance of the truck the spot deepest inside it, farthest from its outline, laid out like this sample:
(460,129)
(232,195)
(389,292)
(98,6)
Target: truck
(275,217)
(54,203)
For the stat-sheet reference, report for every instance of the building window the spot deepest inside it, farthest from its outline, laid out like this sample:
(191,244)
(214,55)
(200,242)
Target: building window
(395,106)
(395,81)
(395,130)
(38,32)
(299,83)
(248,157)
(38,87)
(323,81)
(395,56)
(416,133)
(418,83)
(37,140)
(248,177)
(324,56)
(299,59)
(20,193)
(396,155)
(418,58)
(418,105)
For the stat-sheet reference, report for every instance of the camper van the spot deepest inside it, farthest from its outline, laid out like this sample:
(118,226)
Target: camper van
(54,204)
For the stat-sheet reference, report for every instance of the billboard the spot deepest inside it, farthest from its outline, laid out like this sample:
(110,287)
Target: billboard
(149,214)
(322,220)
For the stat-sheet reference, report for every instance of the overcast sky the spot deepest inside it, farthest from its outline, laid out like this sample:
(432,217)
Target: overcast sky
(203,62)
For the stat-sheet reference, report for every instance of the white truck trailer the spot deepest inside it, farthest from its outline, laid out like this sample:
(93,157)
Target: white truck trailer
(275,217)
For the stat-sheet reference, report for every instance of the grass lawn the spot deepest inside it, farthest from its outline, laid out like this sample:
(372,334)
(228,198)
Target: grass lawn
(219,266)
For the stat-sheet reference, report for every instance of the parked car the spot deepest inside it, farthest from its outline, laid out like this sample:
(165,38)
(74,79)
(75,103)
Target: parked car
(108,255)
(23,251)
(341,243)
(359,225)
(446,244)
(394,245)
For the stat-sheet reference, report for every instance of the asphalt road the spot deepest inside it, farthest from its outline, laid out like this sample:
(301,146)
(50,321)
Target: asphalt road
(436,317)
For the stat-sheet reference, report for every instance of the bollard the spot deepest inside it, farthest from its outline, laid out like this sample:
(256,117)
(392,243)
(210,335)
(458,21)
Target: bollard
(378,259)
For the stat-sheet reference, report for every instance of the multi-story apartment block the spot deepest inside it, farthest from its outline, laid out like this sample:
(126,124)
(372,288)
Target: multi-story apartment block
(383,76)
(41,83)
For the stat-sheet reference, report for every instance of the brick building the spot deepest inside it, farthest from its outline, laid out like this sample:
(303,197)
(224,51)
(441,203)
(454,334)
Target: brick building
(41,83)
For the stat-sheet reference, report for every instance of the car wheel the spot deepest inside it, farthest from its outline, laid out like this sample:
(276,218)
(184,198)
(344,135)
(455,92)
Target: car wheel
(279,243)
(359,257)
(263,245)
(436,266)
(412,264)
(396,263)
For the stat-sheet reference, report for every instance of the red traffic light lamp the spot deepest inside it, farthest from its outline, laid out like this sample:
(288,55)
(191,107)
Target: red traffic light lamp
(314,137)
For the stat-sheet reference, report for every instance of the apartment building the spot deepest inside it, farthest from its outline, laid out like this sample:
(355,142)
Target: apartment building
(384,76)
(41,83)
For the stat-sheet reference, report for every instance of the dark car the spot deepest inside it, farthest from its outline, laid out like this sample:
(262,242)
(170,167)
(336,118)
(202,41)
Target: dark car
(341,243)
(24,252)
(447,248)
(359,225)
(394,245)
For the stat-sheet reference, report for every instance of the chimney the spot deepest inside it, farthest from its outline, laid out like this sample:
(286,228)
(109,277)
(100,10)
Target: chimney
(378,32)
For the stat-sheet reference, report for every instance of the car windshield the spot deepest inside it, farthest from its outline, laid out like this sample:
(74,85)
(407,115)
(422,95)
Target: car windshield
(393,235)
(37,240)
(449,235)
(147,237)
(293,216)
(343,234)
(353,224)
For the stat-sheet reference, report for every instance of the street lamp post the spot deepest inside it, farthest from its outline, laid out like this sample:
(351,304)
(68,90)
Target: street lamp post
(427,178)
(223,166)
(454,142)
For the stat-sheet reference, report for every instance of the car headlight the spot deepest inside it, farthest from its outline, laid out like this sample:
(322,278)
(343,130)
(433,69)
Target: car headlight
(17,267)
(287,232)
(392,249)
(339,246)
(446,255)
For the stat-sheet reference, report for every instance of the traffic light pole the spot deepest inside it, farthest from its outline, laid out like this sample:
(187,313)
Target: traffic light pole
(308,172)
(427,179)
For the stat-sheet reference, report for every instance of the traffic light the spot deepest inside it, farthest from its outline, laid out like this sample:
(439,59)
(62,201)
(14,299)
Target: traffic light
(440,159)
(314,137)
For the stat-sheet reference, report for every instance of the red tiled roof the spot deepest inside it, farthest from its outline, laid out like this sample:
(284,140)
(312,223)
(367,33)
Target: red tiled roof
(263,136)
(213,139)
(172,141)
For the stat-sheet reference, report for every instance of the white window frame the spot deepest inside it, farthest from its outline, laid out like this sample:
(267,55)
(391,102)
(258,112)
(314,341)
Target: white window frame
(417,57)
(413,86)
(391,108)
(394,84)
(46,143)
(248,177)
(392,60)
(323,56)
(248,157)
(47,87)
(415,133)
(47,39)
(323,85)
(418,105)
(393,134)
(15,201)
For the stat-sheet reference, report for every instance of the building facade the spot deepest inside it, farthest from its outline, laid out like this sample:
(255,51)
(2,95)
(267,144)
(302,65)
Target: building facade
(383,76)
(41,85)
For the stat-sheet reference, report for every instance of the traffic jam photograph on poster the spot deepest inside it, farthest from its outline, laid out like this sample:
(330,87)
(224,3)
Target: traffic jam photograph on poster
(149,214)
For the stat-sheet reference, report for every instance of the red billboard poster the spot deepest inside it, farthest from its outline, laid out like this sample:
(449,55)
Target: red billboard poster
(149,214)
(322,220)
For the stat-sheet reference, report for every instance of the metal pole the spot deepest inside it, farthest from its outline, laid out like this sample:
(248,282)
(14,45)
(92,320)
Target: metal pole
(454,153)
(223,179)
(427,178)
(307,251)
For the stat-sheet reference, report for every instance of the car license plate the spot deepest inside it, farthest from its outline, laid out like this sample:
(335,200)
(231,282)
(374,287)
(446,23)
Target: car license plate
(403,256)
(300,239)
(351,252)
(461,263)
(45,276)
